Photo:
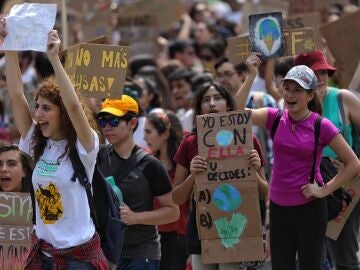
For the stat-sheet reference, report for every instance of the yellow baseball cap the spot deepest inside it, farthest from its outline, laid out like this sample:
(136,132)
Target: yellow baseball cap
(120,107)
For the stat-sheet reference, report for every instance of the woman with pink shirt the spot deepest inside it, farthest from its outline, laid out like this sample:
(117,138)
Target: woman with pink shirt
(298,214)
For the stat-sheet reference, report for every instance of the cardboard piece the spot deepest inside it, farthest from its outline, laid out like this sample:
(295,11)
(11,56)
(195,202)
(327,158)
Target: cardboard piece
(312,19)
(138,30)
(250,249)
(97,71)
(266,34)
(95,17)
(341,34)
(307,6)
(224,135)
(224,238)
(98,40)
(166,12)
(297,41)
(227,170)
(140,23)
(208,210)
(335,226)
(227,201)
(15,228)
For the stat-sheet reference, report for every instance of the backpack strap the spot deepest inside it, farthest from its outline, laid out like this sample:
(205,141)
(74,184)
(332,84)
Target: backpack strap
(80,174)
(342,114)
(276,123)
(316,135)
(135,158)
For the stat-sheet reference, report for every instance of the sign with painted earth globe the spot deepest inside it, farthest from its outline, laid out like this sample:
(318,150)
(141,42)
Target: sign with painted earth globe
(227,198)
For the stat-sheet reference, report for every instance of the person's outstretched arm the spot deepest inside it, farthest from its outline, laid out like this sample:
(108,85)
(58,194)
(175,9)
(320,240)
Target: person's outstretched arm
(258,116)
(19,104)
(253,62)
(69,97)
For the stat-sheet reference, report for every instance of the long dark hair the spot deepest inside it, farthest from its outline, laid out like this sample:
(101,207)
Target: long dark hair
(167,121)
(26,162)
(201,91)
(49,89)
(315,104)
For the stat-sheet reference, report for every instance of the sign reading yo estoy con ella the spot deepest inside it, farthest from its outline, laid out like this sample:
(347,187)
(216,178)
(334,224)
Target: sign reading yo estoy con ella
(96,70)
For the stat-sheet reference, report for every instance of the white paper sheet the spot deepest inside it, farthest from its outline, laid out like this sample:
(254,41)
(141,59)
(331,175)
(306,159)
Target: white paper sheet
(28,26)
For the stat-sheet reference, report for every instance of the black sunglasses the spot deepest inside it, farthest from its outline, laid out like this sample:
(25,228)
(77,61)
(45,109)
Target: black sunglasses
(113,121)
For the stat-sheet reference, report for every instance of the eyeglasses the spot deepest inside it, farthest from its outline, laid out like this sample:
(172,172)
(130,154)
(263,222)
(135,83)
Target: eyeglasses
(113,121)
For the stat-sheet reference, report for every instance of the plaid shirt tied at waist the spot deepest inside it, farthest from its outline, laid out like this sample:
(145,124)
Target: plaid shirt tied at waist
(88,252)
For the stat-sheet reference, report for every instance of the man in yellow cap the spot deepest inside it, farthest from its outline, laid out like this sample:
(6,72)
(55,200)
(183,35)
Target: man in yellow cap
(141,178)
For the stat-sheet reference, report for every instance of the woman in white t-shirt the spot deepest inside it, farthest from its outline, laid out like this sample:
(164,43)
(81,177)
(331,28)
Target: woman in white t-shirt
(65,236)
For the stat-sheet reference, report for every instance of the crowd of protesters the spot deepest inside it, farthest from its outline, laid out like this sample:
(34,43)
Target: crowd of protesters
(190,75)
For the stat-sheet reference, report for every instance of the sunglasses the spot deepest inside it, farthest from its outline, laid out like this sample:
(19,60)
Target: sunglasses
(113,121)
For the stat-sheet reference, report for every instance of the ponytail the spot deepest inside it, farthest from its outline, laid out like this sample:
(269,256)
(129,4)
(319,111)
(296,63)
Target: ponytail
(315,104)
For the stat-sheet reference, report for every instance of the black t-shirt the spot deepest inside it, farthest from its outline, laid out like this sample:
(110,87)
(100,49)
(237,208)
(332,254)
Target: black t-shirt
(139,186)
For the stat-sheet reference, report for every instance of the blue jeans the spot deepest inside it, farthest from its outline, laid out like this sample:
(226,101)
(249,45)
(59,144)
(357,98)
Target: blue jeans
(71,262)
(138,264)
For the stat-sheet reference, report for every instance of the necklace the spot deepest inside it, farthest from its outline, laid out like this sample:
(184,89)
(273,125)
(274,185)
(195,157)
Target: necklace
(293,122)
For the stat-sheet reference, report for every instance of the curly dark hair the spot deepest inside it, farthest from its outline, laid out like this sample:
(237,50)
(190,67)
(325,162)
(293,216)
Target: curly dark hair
(49,89)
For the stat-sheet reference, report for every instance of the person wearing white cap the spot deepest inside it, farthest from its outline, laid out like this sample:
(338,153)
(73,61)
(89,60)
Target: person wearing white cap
(298,214)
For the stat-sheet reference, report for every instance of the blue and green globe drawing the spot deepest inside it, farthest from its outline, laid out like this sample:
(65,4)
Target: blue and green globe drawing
(224,137)
(227,198)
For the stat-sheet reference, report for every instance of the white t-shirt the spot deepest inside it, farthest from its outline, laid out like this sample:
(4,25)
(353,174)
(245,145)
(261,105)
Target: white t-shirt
(186,119)
(62,210)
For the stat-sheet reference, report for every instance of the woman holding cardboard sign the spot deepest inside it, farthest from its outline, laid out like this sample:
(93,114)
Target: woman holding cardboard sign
(210,98)
(298,214)
(65,235)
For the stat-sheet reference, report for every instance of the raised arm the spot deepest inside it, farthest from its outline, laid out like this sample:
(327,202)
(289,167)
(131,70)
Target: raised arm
(19,104)
(269,84)
(259,116)
(69,97)
(253,62)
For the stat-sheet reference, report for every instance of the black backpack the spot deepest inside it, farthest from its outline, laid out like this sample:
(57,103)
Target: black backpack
(335,199)
(104,209)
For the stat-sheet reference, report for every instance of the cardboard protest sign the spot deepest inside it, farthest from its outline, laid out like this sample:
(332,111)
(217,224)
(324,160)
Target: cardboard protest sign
(224,135)
(307,6)
(98,40)
(344,33)
(297,41)
(226,170)
(227,202)
(140,23)
(15,228)
(23,19)
(312,19)
(94,18)
(335,226)
(266,34)
(97,71)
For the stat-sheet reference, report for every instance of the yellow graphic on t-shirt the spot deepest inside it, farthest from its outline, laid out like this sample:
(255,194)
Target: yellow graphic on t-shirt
(49,201)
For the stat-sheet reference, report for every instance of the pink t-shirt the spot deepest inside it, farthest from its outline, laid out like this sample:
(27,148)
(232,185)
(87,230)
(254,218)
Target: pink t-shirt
(293,156)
